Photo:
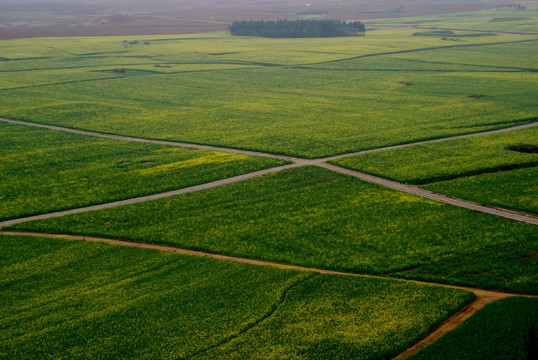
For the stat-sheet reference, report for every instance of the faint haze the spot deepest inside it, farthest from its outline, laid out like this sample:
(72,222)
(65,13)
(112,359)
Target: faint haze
(37,18)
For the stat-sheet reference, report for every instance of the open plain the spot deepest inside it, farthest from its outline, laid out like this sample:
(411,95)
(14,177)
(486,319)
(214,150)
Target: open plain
(207,196)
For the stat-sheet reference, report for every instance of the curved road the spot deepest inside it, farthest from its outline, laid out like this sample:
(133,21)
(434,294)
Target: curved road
(482,297)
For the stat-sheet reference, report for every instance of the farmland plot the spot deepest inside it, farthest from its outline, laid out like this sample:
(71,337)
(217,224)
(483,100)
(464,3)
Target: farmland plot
(490,169)
(313,217)
(63,171)
(69,299)
(305,97)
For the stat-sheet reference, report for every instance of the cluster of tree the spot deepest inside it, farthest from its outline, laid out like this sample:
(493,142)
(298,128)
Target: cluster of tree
(296,28)
(518,6)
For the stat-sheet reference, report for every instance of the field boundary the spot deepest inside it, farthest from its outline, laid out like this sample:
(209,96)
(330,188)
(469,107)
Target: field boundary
(427,194)
(145,198)
(482,297)
(242,260)
(261,153)
(295,162)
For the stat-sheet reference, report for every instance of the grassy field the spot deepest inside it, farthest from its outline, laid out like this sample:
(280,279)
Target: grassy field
(515,189)
(427,163)
(61,170)
(67,299)
(314,217)
(502,330)
(303,97)
(503,19)
(484,169)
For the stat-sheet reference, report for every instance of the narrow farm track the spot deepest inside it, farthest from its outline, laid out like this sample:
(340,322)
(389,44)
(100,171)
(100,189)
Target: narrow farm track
(257,153)
(464,136)
(509,214)
(137,200)
(482,297)
(148,141)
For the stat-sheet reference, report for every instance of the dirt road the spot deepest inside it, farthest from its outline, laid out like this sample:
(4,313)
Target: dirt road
(482,297)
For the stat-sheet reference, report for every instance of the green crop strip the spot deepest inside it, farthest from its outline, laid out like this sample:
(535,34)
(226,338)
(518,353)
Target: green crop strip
(70,299)
(505,329)
(481,169)
(314,217)
(63,171)
(427,163)
(257,93)
(515,189)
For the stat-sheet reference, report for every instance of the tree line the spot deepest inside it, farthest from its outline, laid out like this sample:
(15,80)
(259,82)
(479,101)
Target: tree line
(296,28)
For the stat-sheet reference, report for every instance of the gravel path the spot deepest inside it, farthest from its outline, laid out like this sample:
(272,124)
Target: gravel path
(517,127)
(147,141)
(149,197)
(509,214)
(255,153)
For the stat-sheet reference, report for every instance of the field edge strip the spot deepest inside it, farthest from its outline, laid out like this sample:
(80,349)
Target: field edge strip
(148,141)
(430,195)
(242,260)
(140,199)
(436,140)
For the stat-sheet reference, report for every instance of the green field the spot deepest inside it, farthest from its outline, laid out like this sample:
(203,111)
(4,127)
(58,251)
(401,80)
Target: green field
(503,19)
(484,169)
(63,171)
(412,79)
(503,330)
(68,300)
(314,217)
(515,189)
(302,97)
(427,163)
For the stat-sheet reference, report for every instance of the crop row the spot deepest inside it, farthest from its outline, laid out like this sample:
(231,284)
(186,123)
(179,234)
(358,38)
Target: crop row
(62,171)
(314,217)
(68,299)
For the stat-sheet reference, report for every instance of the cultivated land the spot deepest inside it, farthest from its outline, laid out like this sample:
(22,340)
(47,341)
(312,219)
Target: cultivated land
(112,301)
(508,326)
(62,171)
(317,218)
(492,169)
(427,163)
(502,19)
(311,98)
(306,97)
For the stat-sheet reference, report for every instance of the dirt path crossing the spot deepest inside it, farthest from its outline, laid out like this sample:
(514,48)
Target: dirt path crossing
(509,214)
